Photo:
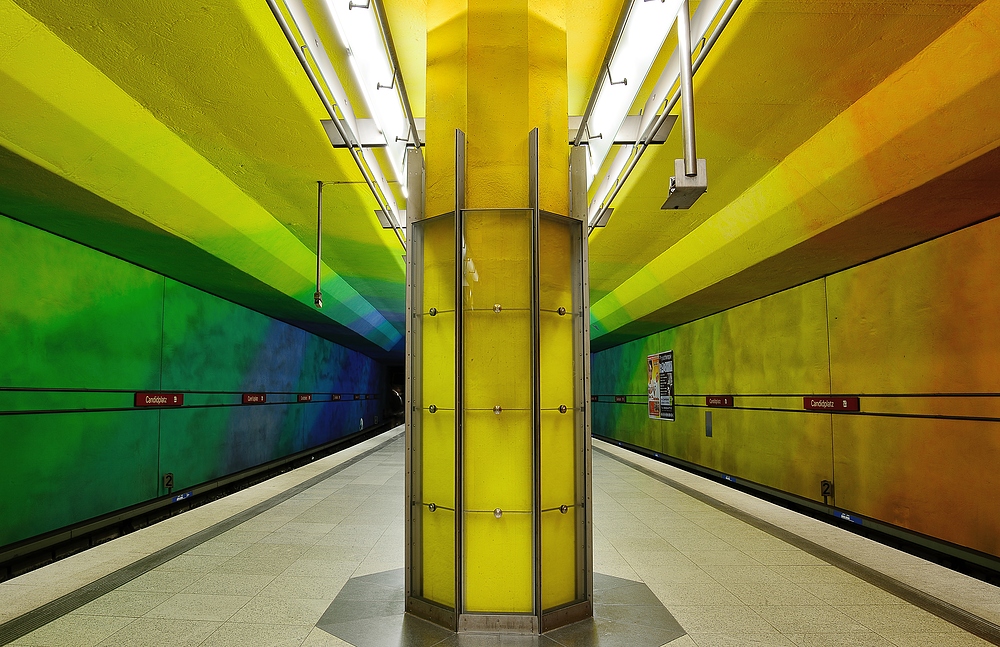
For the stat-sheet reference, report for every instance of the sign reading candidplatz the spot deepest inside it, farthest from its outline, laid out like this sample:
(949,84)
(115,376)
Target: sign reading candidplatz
(831,403)
(149,399)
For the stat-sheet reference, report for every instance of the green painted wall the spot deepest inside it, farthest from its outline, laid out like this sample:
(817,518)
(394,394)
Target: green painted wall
(81,331)
(913,334)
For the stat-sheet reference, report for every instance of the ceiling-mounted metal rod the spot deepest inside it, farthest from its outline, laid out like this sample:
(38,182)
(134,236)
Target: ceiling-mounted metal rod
(318,87)
(643,144)
(383,22)
(318,297)
(687,89)
(581,134)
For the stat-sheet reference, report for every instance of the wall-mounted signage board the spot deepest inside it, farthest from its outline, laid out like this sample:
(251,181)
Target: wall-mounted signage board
(660,385)
(147,399)
(831,403)
(254,398)
(719,401)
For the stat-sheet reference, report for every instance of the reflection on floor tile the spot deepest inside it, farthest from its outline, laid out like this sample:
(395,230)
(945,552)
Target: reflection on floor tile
(273,580)
(369,612)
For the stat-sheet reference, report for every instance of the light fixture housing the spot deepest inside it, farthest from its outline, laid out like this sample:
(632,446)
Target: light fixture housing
(611,102)
(645,28)
(357,27)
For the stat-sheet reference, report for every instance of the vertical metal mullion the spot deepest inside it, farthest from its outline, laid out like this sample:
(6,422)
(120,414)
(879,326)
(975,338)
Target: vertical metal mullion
(586,427)
(581,390)
(459,376)
(536,396)
(414,335)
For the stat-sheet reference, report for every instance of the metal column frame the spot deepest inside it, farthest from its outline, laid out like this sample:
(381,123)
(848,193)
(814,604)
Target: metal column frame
(587,445)
(540,619)
(414,212)
(578,211)
(536,386)
(459,377)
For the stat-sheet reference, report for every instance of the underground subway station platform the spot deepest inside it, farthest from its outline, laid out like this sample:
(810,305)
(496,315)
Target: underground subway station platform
(469,323)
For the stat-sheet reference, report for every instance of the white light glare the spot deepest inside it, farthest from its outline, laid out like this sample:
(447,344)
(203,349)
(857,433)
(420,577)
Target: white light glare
(599,149)
(646,27)
(358,29)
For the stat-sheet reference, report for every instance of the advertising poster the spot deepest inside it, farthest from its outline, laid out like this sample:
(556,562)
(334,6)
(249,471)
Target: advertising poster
(660,385)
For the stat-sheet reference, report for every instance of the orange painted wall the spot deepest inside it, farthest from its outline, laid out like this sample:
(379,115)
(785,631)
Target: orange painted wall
(914,334)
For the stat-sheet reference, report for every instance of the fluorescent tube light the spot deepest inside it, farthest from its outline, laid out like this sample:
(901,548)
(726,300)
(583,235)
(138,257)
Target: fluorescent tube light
(646,27)
(614,102)
(358,29)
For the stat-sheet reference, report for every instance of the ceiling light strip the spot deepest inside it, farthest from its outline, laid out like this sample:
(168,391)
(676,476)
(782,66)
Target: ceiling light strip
(390,47)
(605,65)
(630,57)
(643,144)
(371,170)
(344,129)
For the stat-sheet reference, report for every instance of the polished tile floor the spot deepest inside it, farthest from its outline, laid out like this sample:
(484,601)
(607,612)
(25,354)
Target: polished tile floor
(271,578)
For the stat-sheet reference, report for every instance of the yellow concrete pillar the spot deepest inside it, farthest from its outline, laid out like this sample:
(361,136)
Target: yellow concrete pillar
(495,70)
(499,449)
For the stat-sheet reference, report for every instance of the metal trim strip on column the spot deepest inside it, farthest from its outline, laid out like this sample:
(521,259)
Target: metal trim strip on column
(408,534)
(414,268)
(459,376)
(536,392)
(588,458)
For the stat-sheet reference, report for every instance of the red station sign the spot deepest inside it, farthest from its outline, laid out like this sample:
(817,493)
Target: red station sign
(621,399)
(358,396)
(719,401)
(254,398)
(149,399)
(305,397)
(335,397)
(831,403)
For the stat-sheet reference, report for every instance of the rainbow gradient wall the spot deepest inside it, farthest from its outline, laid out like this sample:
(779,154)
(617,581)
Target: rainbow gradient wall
(915,334)
(81,332)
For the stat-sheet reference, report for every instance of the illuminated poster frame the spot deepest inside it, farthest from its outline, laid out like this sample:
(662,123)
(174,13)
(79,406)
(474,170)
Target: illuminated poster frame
(660,385)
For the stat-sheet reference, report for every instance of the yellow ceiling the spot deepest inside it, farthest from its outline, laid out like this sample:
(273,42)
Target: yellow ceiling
(216,84)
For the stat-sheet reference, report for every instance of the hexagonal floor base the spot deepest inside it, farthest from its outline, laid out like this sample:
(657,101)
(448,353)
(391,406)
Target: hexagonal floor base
(369,612)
